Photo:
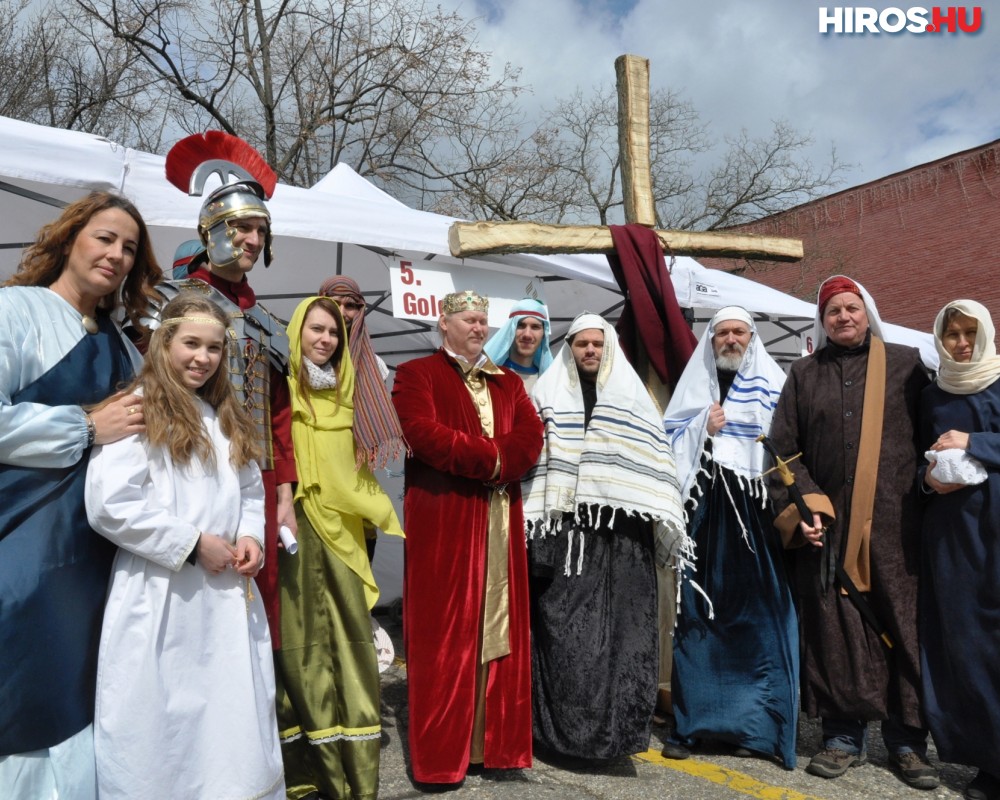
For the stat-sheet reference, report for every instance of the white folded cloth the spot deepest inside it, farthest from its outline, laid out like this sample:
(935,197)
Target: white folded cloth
(955,466)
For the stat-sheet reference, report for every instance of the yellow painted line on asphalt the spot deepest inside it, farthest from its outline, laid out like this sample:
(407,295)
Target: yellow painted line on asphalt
(737,781)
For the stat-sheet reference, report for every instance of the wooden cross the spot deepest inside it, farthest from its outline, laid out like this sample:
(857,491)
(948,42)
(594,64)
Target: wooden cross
(481,238)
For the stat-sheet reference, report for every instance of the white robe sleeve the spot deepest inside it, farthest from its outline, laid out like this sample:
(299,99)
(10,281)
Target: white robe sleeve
(252,504)
(123,506)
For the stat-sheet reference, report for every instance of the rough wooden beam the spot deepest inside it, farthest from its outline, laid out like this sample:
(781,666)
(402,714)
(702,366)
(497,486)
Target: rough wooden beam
(467,239)
(633,139)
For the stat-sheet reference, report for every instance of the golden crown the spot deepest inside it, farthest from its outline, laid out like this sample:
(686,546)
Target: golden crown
(464,301)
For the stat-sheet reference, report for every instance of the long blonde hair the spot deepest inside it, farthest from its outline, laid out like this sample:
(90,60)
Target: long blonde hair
(172,417)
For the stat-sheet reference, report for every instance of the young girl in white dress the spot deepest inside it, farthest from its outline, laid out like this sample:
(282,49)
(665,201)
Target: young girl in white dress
(185,684)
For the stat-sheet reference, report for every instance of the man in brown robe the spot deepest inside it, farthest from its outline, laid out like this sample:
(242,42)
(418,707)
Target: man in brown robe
(851,410)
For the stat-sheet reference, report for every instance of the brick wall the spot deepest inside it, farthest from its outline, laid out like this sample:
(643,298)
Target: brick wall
(915,239)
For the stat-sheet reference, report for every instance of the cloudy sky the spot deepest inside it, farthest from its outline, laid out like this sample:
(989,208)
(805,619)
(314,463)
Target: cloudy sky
(886,101)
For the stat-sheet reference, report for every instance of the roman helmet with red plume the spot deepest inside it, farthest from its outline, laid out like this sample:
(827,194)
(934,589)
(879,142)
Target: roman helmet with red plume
(247,181)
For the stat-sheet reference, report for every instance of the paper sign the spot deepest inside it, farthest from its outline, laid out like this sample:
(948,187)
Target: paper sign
(418,287)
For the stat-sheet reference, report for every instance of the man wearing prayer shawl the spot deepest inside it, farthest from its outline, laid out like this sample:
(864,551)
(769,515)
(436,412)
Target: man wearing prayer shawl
(473,434)
(960,592)
(736,647)
(601,506)
(850,408)
(522,344)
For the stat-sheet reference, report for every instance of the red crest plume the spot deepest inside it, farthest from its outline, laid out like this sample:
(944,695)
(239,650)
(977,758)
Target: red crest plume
(193,151)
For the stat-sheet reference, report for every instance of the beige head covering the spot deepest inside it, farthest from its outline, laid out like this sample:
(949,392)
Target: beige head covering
(971,376)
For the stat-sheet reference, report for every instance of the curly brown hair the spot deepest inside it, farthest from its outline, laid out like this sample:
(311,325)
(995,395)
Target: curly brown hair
(173,419)
(43,262)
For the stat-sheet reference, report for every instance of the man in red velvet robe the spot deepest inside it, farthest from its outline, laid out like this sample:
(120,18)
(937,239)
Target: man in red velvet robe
(473,433)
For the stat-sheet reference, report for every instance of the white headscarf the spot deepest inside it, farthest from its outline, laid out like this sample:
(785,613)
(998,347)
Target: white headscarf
(622,461)
(874,321)
(749,407)
(984,368)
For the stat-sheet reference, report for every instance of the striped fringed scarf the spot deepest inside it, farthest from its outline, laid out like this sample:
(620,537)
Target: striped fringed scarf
(621,462)
(377,433)
(749,407)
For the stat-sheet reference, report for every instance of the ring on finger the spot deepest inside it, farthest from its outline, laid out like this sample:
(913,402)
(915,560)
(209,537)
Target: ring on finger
(131,409)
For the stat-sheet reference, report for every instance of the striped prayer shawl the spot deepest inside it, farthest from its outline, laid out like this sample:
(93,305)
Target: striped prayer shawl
(621,462)
(749,407)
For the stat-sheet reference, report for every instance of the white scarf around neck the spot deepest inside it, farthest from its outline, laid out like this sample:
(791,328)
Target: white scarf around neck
(320,377)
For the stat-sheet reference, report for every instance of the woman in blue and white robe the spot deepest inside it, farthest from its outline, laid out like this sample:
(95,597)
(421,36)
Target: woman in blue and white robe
(60,351)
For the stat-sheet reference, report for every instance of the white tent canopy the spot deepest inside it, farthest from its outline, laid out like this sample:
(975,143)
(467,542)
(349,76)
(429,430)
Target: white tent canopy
(346,225)
(320,233)
(343,224)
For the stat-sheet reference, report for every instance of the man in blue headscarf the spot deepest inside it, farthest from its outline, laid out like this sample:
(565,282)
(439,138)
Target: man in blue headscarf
(522,344)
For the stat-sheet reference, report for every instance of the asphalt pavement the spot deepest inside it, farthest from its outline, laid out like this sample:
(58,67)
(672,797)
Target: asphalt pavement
(711,773)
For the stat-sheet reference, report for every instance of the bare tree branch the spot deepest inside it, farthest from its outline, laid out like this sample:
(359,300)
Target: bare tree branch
(397,89)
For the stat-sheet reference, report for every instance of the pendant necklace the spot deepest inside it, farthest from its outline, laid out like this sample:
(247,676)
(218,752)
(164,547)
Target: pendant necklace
(89,323)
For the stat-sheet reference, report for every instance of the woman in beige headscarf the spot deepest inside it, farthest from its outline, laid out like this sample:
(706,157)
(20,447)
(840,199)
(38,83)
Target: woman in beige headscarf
(960,590)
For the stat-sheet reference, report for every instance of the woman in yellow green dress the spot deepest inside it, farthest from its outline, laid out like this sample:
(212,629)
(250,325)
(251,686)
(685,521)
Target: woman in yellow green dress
(327,671)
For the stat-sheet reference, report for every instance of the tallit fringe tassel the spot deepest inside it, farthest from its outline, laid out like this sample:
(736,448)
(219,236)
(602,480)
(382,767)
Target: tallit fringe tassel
(568,565)
(589,516)
(696,494)
(736,511)
(549,526)
(684,563)
(699,590)
(762,490)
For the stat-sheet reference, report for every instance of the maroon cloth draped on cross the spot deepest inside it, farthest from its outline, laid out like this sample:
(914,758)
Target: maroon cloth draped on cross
(651,314)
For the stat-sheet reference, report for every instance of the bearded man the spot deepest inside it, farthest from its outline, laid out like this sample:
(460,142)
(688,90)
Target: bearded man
(346,293)
(602,506)
(736,659)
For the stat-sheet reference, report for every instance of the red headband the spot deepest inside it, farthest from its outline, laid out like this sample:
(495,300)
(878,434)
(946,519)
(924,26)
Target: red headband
(538,314)
(836,286)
